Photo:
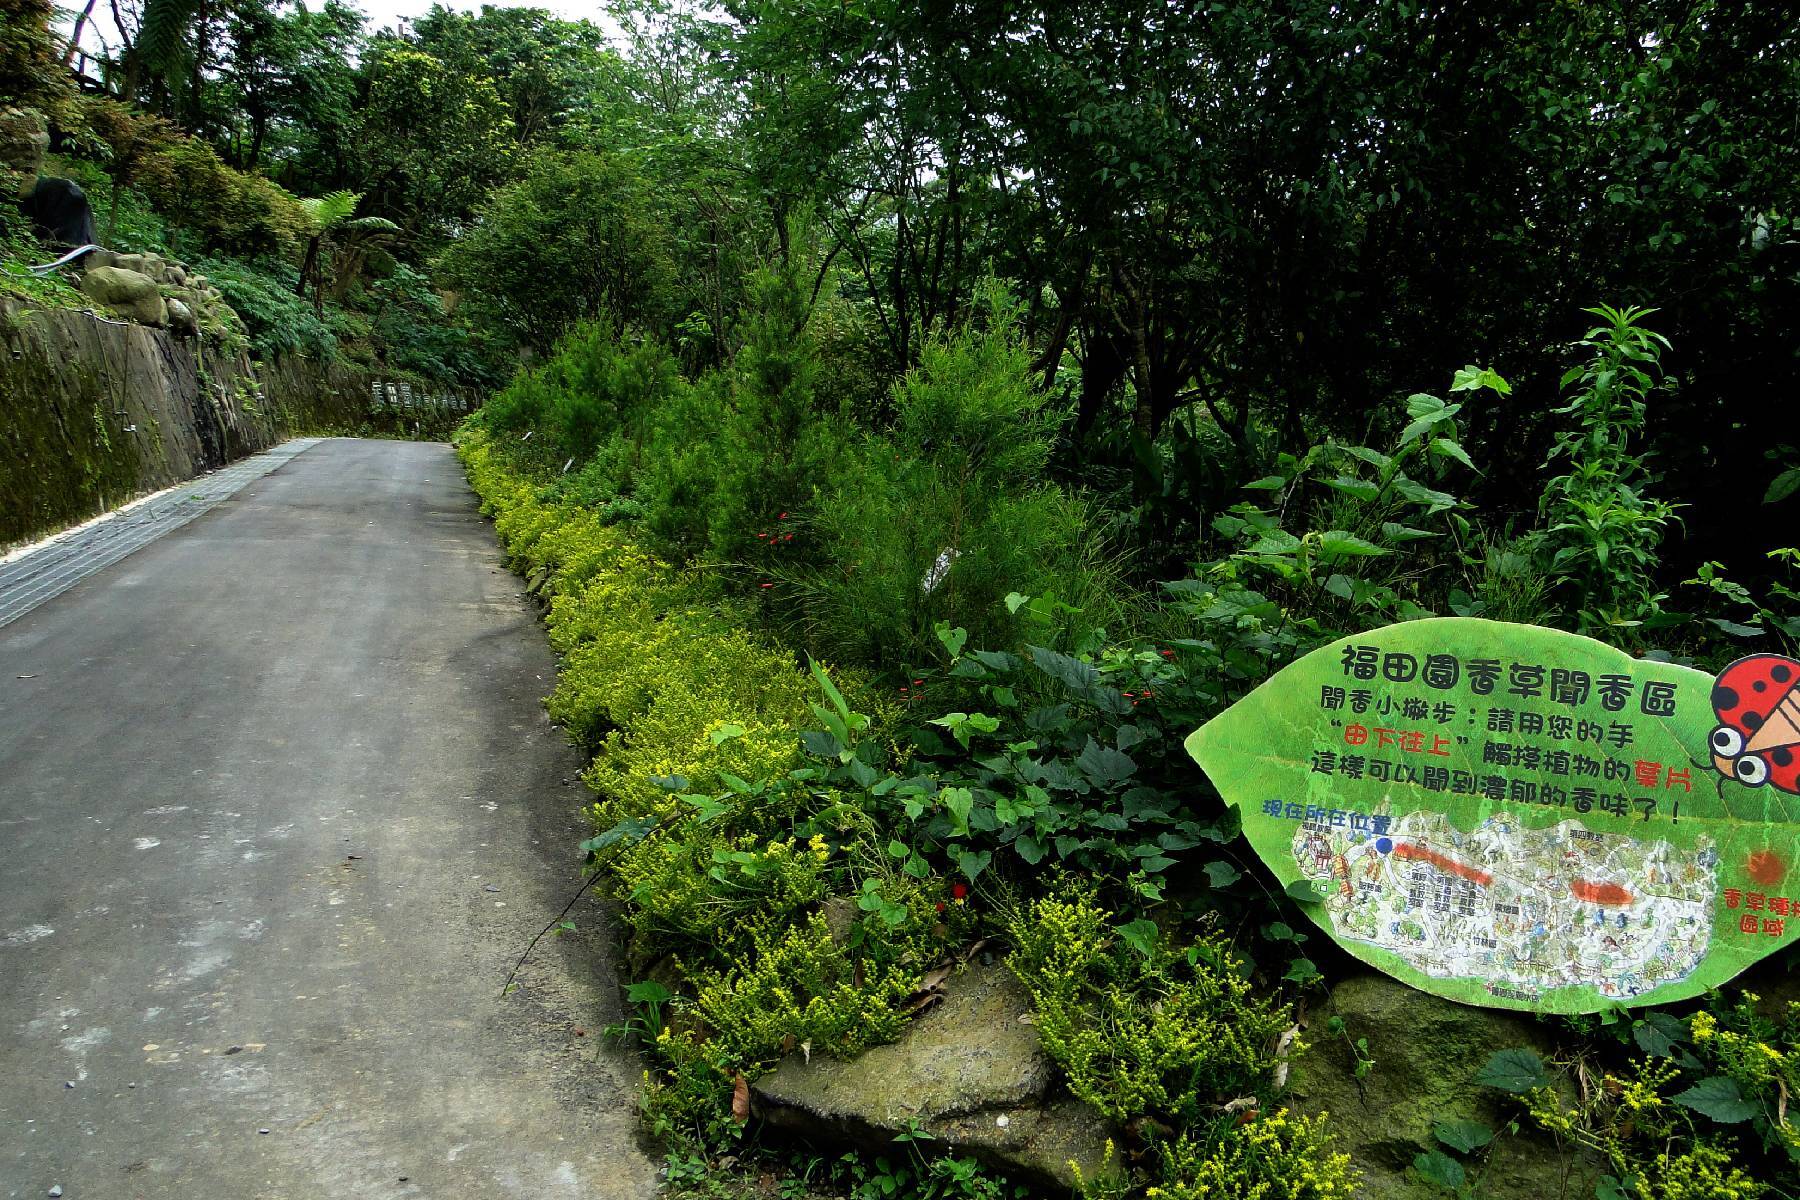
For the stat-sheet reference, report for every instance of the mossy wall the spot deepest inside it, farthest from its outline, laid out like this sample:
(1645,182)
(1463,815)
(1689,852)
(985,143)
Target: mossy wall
(94,412)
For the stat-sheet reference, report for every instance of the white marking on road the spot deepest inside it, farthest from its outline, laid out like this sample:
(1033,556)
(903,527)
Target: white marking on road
(27,935)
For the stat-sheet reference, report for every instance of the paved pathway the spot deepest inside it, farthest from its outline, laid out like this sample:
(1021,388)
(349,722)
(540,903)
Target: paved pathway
(279,807)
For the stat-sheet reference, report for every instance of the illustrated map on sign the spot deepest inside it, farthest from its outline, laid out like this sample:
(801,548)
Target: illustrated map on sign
(1525,818)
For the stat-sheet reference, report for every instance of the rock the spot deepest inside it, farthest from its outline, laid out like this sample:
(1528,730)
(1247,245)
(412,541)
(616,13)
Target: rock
(56,1189)
(129,293)
(129,262)
(99,258)
(969,1072)
(24,140)
(1426,1052)
(59,212)
(182,319)
(840,915)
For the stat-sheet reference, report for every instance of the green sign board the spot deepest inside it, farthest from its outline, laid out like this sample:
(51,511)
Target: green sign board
(1524,818)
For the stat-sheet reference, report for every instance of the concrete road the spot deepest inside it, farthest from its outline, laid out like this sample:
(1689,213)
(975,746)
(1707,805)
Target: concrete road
(278,810)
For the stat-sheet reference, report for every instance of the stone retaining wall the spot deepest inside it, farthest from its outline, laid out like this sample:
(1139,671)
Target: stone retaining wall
(96,411)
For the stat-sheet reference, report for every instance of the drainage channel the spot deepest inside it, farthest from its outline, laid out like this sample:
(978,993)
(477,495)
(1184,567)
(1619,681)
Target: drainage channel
(52,567)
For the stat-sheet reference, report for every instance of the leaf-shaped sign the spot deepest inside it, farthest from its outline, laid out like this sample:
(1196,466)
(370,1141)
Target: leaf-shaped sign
(1524,818)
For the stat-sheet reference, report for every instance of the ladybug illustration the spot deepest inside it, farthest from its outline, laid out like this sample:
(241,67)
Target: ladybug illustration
(1757,700)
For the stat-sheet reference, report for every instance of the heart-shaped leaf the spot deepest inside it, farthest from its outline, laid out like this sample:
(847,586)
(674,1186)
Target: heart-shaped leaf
(1521,817)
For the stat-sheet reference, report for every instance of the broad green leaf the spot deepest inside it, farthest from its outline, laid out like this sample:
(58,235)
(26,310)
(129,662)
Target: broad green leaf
(1465,1137)
(1304,891)
(1103,764)
(823,677)
(1658,1033)
(1395,532)
(648,992)
(1718,1098)
(971,863)
(1141,935)
(1518,1070)
(1467,379)
(1451,449)
(1440,1168)
(1783,486)
(1423,404)
(1072,673)
(958,802)
(1438,780)
(631,829)
(1335,544)
(725,733)
(1359,489)
(1302,971)
(707,808)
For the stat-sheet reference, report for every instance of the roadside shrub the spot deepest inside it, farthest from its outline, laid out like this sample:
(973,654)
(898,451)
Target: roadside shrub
(578,238)
(720,845)
(948,512)
(413,332)
(227,211)
(1602,528)
(1275,1157)
(750,443)
(1138,1024)
(598,389)
(262,295)
(798,983)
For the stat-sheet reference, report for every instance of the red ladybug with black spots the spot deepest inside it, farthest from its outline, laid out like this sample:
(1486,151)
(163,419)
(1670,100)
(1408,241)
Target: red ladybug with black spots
(1757,700)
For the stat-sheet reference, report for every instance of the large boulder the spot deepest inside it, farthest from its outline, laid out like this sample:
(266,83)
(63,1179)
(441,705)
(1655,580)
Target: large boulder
(182,319)
(970,1072)
(1426,1053)
(59,212)
(131,294)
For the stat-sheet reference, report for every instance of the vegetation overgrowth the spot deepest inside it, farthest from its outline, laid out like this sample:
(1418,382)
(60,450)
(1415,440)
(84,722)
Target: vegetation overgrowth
(997,754)
(911,445)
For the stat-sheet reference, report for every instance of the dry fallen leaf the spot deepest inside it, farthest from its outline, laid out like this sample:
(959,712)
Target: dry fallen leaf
(1282,1045)
(920,1002)
(933,980)
(740,1099)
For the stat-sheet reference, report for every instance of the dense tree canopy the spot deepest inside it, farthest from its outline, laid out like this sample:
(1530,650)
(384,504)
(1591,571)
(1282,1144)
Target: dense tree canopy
(1234,228)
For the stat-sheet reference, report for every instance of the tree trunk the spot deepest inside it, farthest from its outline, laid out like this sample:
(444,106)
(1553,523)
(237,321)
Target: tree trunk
(307,265)
(75,34)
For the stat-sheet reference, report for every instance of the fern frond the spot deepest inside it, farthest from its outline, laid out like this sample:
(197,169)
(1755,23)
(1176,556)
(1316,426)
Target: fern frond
(332,209)
(162,39)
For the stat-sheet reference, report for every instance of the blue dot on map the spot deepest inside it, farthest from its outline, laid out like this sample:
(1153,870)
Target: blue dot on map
(1385,845)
